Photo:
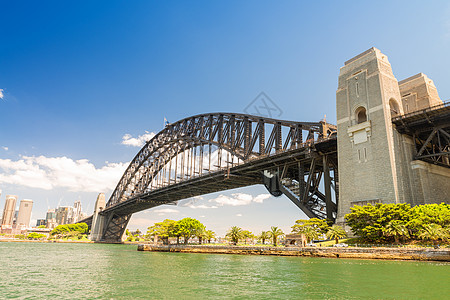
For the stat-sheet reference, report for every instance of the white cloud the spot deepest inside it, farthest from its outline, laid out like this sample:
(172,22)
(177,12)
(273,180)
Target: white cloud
(201,206)
(192,201)
(260,198)
(61,172)
(5,148)
(239,199)
(165,211)
(1,93)
(139,141)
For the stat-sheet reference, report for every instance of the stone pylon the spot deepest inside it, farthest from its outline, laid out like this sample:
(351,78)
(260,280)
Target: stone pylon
(367,97)
(98,220)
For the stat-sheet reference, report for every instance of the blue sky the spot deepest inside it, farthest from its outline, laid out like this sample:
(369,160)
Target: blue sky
(79,78)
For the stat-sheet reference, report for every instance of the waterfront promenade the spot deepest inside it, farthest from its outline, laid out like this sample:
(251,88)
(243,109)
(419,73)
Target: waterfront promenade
(424,254)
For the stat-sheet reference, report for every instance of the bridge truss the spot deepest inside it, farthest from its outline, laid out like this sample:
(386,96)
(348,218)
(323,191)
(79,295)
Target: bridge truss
(430,130)
(220,151)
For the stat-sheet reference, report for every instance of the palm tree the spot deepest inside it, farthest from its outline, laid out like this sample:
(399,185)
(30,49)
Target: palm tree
(310,232)
(433,232)
(397,230)
(336,232)
(201,234)
(209,235)
(274,233)
(265,235)
(234,234)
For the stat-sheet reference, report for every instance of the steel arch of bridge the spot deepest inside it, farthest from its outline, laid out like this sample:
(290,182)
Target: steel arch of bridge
(219,151)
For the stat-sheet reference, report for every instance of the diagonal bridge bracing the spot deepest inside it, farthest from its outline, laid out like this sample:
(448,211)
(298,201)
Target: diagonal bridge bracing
(221,151)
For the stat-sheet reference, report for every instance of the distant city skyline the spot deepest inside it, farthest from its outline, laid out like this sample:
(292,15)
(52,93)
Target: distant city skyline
(84,85)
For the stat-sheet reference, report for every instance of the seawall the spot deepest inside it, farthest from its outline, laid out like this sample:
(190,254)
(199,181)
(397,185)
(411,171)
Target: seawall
(424,254)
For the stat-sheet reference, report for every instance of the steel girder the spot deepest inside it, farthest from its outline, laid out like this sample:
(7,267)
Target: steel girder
(430,130)
(208,153)
(233,133)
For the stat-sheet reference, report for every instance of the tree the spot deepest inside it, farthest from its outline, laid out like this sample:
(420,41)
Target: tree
(164,230)
(433,232)
(209,235)
(70,230)
(396,229)
(189,227)
(321,226)
(369,221)
(234,234)
(201,235)
(275,232)
(336,232)
(41,226)
(310,233)
(247,235)
(428,214)
(265,235)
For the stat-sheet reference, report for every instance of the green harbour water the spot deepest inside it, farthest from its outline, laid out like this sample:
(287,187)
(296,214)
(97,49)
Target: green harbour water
(99,271)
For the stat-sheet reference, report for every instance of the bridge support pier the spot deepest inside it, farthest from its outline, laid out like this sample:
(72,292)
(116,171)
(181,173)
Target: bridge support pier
(98,220)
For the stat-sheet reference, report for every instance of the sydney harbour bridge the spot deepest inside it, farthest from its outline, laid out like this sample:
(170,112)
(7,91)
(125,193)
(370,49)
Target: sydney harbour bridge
(220,151)
(393,146)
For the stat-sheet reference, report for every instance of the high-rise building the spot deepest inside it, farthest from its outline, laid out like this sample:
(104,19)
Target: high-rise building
(24,216)
(76,211)
(40,222)
(64,215)
(50,219)
(8,212)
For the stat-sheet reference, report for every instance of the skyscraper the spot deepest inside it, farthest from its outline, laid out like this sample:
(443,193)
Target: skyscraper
(50,219)
(76,211)
(24,216)
(64,215)
(8,212)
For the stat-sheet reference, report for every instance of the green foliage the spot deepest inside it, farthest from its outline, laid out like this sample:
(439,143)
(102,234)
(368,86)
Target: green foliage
(433,232)
(188,228)
(20,236)
(336,232)
(234,234)
(428,214)
(265,235)
(165,229)
(35,236)
(41,226)
(209,235)
(369,221)
(311,228)
(321,226)
(69,230)
(311,233)
(274,233)
(386,222)
(396,229)
(245,234)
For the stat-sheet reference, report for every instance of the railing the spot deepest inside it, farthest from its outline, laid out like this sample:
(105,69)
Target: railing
(421,111)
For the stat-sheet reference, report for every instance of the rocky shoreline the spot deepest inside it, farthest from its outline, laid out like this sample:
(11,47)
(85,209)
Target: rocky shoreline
(422,254)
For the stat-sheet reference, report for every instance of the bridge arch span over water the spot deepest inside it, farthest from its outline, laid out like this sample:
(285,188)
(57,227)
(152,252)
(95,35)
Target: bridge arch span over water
(220,151)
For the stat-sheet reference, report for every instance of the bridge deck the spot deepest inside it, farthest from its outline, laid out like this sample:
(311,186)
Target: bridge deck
(239,176)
